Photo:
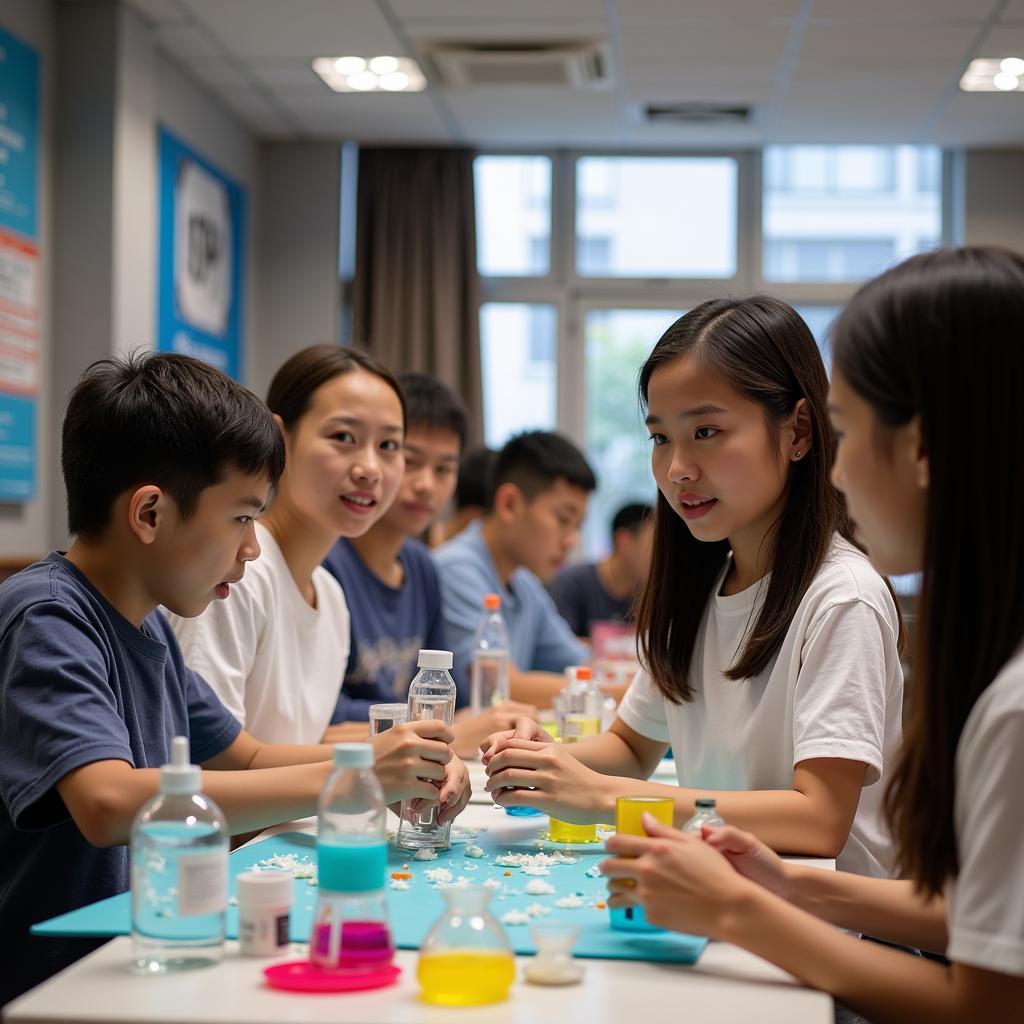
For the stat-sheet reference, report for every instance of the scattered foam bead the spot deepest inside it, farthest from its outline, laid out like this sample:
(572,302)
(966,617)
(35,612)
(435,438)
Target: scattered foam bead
(535,887)
(425,854)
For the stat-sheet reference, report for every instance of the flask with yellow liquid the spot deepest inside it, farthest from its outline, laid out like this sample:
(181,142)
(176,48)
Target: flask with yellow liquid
(466,958)
(580,718)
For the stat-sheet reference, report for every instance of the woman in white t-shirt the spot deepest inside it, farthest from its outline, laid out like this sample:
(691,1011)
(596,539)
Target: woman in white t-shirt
(275,651)
(770,644)
(928,366)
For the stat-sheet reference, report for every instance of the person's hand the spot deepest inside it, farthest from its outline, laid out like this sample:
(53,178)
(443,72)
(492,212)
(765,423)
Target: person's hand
(521,729)
(472,730)
(410,759)
(681,881)
(751,858)
(545,775)
(455,791)
(347,732)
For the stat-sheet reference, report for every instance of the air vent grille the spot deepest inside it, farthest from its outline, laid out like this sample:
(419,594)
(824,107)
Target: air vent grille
(577,65)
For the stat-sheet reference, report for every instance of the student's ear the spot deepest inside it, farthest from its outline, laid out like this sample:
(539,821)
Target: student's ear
(147,507)
(508,502)
(284,432)
(802,436)
(916,454)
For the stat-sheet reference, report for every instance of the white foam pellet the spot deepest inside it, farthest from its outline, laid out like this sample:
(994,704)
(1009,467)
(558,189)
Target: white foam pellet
(439,876)
(569,902)
(400,884)
(538,910)
(593,871)
(535,869)
(425,854)
(476,852)
(535,887)
(514,917)
(492,883)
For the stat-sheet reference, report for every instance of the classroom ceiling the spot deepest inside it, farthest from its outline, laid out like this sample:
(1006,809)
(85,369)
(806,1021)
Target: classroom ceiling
(809,70)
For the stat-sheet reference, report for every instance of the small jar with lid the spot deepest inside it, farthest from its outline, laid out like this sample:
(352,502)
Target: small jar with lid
(264,912)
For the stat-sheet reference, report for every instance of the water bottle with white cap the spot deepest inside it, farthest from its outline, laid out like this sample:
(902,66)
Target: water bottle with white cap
(179,872)
(431,695)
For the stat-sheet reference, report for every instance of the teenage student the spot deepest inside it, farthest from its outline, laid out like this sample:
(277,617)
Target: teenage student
(276,653)
(394,596)
(537,501)
(166,463)
(770,644)
(607,590)
(470,495)
(927,370)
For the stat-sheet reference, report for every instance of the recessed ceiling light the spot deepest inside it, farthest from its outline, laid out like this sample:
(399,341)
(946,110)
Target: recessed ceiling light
(349,65)
(994,74)
(370,74)
(384,65)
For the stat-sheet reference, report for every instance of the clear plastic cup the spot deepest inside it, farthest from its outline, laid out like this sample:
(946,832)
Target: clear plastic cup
(386,716)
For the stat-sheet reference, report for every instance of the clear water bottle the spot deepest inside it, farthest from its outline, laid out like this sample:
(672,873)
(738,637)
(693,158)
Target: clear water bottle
(582,705)
(489,683)
(431,695)
(350,925)
(706,815)
(179,872)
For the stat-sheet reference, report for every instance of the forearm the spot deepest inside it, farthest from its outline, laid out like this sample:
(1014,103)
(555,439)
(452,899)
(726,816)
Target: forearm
(259,798)
(278,755)
(537,688)
(885,908)
(609,754)
(883,984)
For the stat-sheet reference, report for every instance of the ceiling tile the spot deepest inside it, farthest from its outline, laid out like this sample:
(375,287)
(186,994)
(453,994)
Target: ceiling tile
(902,10)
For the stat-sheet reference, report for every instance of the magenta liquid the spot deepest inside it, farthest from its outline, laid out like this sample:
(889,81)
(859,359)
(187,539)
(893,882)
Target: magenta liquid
(363,943)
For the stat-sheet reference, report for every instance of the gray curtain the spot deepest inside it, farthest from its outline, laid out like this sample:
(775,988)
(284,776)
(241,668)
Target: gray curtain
(415,295)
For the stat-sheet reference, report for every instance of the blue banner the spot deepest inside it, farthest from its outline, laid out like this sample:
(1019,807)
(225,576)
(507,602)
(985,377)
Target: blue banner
(19,136)
(201,259)
(17,448)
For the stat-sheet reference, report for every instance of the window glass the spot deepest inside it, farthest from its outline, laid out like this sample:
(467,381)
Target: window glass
(513,215)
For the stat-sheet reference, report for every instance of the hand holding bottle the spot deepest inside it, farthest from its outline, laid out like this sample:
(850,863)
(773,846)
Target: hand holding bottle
(409,758)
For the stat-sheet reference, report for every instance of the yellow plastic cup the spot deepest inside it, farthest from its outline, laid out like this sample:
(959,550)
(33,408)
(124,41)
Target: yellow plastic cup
(629,810)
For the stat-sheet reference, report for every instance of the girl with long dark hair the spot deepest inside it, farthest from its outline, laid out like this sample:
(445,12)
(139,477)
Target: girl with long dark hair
(769,645)
(927,375)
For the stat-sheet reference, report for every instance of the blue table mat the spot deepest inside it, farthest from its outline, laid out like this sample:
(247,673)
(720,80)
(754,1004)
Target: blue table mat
(414,911)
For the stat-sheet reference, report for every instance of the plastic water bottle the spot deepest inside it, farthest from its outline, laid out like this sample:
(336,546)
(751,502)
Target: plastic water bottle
(489,683)
(582,705)
(431,695)
(350,926)
(179,872)
(706,815)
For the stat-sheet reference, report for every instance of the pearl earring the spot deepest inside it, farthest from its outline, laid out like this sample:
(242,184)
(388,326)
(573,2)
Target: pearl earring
(796,455)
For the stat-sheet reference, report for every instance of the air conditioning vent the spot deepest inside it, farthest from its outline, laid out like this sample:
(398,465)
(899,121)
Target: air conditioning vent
(694,113)
(581,65)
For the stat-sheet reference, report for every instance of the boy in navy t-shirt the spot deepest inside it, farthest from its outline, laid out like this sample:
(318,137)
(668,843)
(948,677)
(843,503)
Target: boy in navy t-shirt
(166,462)
(390,581)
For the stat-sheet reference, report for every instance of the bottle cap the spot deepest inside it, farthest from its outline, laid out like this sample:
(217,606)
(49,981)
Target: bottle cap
(492,602)
(353,755)
(435,659)
(583,673)
(179,776)
(265,887)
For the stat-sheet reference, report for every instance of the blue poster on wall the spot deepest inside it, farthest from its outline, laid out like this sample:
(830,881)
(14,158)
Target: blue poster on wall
(201,259)
(19,267)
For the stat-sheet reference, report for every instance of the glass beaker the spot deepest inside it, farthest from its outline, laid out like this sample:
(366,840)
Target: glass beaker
(466,958)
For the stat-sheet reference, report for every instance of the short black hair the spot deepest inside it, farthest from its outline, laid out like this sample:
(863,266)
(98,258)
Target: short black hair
(631,517)
(474,478)
(535,461)
(431,404)
(164,419)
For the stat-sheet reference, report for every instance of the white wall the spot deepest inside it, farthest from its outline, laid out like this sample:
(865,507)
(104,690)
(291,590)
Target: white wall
(298,302)
(24,528)
(994,197)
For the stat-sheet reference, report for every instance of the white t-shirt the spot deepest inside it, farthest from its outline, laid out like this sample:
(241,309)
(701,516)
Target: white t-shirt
(275,662)
(985,903)
(834,689)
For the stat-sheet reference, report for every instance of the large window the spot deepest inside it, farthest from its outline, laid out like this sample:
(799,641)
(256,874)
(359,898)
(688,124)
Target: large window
(586,258)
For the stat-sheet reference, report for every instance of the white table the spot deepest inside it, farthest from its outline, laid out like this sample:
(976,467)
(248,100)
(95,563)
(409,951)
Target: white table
(727,984)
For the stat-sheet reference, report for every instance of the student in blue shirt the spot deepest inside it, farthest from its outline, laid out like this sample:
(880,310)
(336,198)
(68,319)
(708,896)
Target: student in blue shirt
(388,576)
(536,504)
(166,463)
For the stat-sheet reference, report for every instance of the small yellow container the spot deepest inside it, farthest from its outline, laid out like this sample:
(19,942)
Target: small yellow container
(629,810)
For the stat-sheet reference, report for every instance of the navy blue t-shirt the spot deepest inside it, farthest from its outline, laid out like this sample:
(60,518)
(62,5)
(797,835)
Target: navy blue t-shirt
(582,600)
(390,625)
(78,683)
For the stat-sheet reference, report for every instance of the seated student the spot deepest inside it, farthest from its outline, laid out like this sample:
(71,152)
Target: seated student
(166,463)
(394,596)
(929,461)
(470,495)
(606,590)
(276,653)
(770,643)
(536,504)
